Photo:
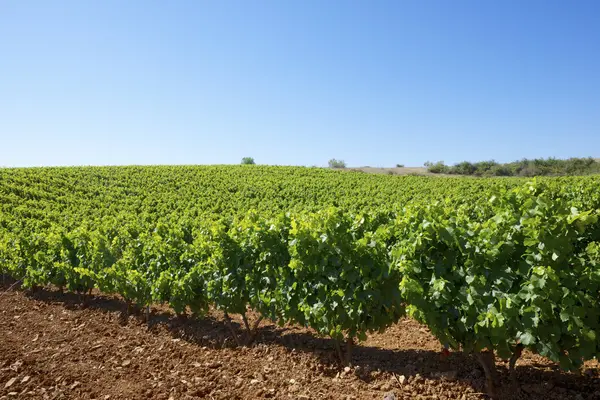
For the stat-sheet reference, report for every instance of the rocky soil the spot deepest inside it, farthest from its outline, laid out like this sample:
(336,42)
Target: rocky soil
(51,347)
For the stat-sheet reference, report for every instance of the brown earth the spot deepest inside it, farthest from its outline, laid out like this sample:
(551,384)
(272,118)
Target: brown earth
(53,348)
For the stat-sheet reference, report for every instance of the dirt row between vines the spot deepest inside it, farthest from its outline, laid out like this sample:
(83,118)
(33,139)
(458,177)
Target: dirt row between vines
(52,348)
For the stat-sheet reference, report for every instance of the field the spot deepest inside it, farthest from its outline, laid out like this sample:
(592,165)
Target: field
(252,281)
(393,171)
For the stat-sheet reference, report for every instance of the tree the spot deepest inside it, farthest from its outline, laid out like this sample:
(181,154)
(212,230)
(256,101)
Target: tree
(248,161)
(333,163)
(436,168)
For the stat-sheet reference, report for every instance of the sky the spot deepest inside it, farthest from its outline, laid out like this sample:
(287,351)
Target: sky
(289,82)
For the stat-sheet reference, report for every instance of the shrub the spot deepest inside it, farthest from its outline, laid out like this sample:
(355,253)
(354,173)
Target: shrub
(463,168)
(333,163)
(399,165)
(580,165)
(483,167)
(530,170)
(248,161)
(437,168)
(524,167)
(499,170)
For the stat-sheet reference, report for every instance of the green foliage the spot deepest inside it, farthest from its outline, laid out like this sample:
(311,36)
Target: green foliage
(498,170)
(437,168)
(399,165)
(485,263)
(248,161)
(333,163)
(342,282)
(518,270)
(463,168)
(525,167)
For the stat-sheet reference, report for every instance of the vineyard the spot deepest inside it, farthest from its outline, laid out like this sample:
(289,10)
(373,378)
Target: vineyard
(492,267)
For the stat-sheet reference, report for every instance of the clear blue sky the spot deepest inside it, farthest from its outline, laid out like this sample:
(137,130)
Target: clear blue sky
(297,82)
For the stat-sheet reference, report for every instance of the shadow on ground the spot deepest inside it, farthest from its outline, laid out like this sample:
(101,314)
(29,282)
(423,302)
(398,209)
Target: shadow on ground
(533,380)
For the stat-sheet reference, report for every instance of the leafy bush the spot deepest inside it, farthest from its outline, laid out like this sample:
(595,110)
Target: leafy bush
(484,167)
(530,171)
(437,168)
(463,168)
(248,161)
(525,278)
(399,165)
(344,286)
(524,167)
(333,163)
(499,170)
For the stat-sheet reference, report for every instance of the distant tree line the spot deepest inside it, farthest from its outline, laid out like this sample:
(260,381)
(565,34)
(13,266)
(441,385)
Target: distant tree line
(524,167)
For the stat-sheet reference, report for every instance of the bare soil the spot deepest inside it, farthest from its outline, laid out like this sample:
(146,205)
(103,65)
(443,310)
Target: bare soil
(52,347)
